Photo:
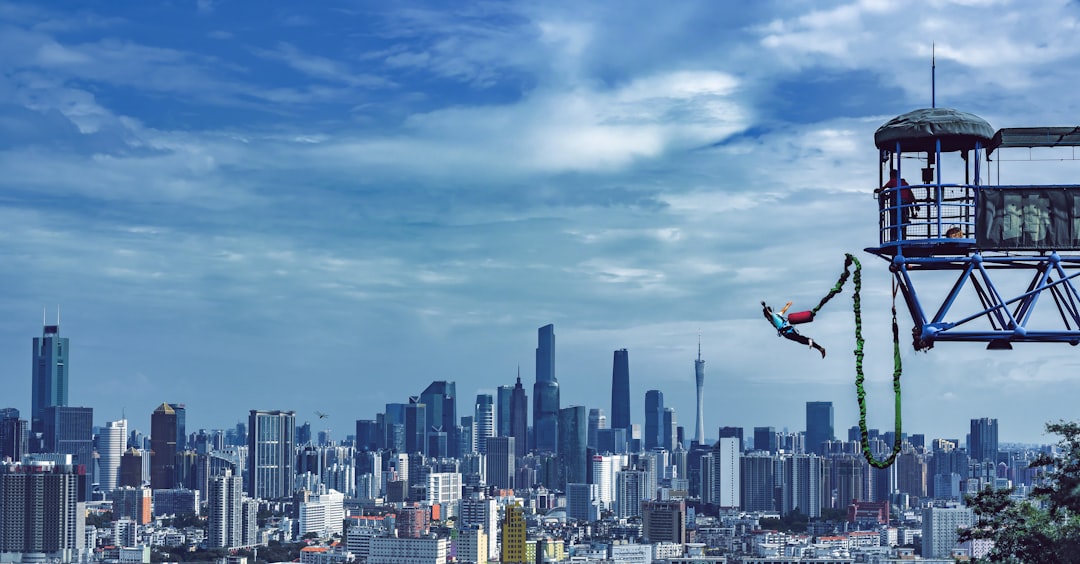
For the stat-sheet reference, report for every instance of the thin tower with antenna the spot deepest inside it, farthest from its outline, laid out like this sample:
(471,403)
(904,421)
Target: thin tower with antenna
(699,374)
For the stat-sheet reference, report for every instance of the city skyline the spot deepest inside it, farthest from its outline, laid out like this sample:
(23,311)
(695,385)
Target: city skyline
(326,208)
(440,408)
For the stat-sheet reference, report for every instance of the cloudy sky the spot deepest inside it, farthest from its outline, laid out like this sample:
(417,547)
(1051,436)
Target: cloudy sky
(243,205)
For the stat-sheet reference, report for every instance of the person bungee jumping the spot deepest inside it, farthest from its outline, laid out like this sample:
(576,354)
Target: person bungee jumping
(786,330)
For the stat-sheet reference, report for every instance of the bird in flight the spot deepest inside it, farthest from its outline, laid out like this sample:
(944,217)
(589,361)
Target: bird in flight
(321,415)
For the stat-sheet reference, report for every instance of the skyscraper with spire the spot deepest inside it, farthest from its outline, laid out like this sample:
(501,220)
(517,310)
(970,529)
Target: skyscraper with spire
(699,376)
(50,373)
(546,393)
(519,417)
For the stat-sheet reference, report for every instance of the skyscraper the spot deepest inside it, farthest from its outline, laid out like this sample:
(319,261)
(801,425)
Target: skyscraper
(500,462)
(271,460)
(502,410)
(573,434)
(620,391)
(70,430)
(484,420)
(416,426)
(765,439)
(546,393)
(597,421)
(181,425)
(819,425)
(225,507)
(519,418)
(984,440)
(440,397)
(654,418)
(163,448)
(111,445)
(699,376)
(40,512)
(13,433)
(669,430)
(50,372)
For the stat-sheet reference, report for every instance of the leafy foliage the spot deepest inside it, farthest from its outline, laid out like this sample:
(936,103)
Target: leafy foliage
(793,522)
(1045,528)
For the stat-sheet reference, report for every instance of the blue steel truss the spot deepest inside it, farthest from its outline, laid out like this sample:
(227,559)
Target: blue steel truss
(930,237)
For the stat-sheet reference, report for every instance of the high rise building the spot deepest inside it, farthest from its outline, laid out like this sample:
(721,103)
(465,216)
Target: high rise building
(13,435)
(416,426)
(630,490)
(513,536)
(181,426)
(484,420)
(40,512)
(597,421)
(270,458)
(669,431)
(757,489)
(163,448)
(70,430)
(620,391)
(733,432)
(803,484)
(654,417)
(519,419)
(819,425)
(583,502)
(664,521)
(131,468)
(50,373)
(546,393)
(699,378)
(939,529)
(765,439)
(720,474)
(225,508)
(573,434)
(502,409)
(135,503)
(500,462)
(440,397)
(112,442)
(984,440)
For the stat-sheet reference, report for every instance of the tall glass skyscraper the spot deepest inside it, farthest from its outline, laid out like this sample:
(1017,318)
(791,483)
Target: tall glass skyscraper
(271,461)
(163,448)
(50,372)
(502,410)
(484,420)
(654,417)
(573,433)
(519,418)
(984,440)
(546,393)
(699,377)
(440,397)
(620,391)
(70,430)
(819,425)
(112,442)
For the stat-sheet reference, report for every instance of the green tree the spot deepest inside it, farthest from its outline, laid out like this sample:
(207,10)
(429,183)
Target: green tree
(1045,527)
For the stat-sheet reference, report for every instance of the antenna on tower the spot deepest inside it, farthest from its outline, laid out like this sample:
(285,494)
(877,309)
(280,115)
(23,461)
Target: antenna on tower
(933,75)
(57,315)
(43,322)
(699,345)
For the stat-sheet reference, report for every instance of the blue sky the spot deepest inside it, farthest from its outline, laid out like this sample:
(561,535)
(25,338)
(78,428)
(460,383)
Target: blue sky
(326,206)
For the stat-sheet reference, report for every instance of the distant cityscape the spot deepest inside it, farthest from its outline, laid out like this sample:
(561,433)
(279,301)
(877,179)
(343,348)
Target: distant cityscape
(421,482)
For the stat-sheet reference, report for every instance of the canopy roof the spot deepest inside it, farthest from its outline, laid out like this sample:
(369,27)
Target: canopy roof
(1036,137)
(918,131)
